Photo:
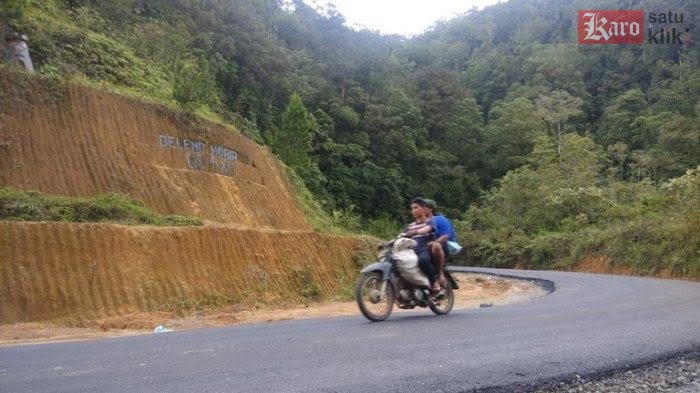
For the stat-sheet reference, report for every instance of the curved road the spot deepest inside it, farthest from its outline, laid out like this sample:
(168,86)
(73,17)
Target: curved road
(590,323)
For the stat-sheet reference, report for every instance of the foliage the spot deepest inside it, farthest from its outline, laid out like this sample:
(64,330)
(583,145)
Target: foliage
(556,108)
(193,85)
(14,8)
(292,142)
(465,113)
(315,213)
(510,136)
(19,205)
(554,213)
(309,289)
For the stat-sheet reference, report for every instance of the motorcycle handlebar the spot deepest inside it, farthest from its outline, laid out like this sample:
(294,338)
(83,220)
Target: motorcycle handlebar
(390,243)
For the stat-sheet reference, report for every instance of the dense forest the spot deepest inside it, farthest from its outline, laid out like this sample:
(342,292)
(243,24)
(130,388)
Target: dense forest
(544,152)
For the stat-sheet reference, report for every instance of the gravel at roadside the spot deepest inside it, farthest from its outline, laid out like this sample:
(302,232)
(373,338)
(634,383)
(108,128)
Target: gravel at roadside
(679,374)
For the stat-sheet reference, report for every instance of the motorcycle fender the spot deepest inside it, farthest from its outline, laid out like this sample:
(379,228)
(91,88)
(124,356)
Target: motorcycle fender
(452,280)
(383,267)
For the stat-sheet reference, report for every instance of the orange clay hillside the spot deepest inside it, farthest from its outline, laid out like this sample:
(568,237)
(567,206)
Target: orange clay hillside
(255,246)
(65,270)
(71,140)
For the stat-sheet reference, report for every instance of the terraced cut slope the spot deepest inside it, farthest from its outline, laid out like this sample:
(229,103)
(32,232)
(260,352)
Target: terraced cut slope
(256,245)
(54,270)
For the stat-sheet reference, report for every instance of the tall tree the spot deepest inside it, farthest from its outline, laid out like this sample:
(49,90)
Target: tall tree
(556,108)
(509,137)
(292,142)
(618,123)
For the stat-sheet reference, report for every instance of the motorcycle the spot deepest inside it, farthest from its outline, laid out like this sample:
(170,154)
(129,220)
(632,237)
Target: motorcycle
(380,286)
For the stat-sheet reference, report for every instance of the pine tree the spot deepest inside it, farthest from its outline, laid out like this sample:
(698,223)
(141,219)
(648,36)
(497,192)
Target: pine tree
(292,142)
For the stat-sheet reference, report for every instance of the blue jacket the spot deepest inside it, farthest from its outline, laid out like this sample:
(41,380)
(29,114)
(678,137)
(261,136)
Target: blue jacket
(443,226)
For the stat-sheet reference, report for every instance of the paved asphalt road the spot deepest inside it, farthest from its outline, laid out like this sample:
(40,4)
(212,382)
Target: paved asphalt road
(590,323)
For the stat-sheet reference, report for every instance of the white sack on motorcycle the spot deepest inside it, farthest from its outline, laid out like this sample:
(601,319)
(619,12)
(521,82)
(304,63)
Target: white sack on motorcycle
(407,262)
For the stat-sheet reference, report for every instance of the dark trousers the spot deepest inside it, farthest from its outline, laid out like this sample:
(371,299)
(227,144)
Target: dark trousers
(425,262)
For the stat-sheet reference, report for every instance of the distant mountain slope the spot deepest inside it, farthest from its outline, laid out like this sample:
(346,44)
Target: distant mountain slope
(393,117)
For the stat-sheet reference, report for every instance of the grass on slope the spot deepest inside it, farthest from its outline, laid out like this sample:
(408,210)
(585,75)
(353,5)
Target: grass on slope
(318,217)
(19,205)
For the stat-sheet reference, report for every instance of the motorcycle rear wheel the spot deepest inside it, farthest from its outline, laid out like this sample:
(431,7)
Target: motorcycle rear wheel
(373,306)
(444,306)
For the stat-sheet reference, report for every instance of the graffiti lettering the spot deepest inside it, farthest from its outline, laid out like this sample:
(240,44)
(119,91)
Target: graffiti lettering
(177,143)
(216,159)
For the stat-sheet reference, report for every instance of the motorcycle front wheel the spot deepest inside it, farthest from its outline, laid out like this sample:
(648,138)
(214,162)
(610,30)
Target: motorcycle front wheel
(373,305)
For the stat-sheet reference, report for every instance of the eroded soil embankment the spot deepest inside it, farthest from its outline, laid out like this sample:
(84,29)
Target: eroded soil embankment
(85,271)
(65,139)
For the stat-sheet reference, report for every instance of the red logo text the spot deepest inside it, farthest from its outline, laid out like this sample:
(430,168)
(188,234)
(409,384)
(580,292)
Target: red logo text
(610,26)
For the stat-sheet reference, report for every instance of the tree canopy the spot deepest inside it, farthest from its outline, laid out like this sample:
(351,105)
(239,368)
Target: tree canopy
(494,108)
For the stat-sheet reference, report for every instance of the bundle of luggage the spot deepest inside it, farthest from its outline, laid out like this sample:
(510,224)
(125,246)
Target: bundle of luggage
(407,262)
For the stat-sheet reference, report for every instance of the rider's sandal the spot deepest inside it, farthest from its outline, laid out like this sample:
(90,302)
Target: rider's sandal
(440,295)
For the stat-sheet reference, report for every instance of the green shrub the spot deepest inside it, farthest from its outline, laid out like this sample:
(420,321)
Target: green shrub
(194,86)
(647,228)
(19,205)
(382,227)
(309,289)
(337,223)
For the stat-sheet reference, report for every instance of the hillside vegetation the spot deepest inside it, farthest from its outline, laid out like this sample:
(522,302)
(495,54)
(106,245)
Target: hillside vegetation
(18,205)
(545,152)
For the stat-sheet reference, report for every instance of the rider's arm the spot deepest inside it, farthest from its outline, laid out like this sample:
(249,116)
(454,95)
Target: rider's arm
(425,230)
(421,231)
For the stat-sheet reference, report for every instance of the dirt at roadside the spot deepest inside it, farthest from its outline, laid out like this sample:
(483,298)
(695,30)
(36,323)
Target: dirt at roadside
(475,290)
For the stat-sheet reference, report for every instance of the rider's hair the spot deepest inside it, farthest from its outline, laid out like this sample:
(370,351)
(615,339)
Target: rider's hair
(419,201)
